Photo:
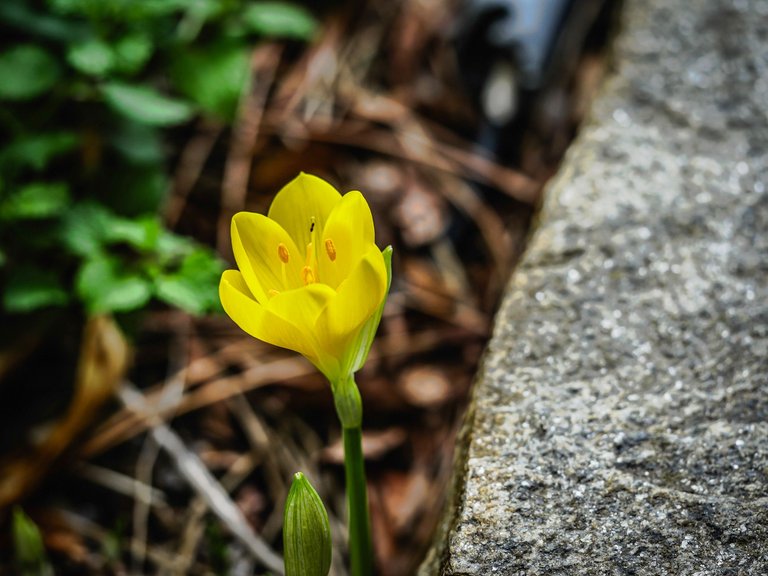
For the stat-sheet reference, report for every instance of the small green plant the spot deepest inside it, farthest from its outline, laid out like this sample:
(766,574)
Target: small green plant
(88,92)
(29,551)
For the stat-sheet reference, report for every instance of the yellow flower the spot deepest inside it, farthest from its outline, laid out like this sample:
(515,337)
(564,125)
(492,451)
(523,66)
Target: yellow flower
(311,278)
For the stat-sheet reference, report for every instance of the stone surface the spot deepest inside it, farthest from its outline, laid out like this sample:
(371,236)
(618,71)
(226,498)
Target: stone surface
(619,421)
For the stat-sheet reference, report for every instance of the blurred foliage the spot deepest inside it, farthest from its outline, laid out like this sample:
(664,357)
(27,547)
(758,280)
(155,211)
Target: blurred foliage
(29,551)
(88,91)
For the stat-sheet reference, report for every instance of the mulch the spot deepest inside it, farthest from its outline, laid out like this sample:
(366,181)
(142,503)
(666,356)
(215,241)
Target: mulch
(374,104)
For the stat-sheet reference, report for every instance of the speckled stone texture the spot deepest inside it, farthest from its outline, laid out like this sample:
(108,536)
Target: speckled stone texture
(619,421)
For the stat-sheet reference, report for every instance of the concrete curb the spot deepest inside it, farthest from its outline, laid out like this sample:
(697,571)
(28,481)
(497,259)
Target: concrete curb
(619,423)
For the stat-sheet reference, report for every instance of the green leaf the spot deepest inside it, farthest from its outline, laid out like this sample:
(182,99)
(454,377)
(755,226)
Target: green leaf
(88,228)
(182,293)
(72,7)
(138,143)
(31,288)
(141,233)
(213,77)
(28,546)
(171,247)
(194,287)
(119,10)
(94,57)
(196,15)
(18,14)
(146,105)
(132,52)
(105,286)
(135,189)
(279,19)
(201,264)
(26,71)
(36,151)
(37,200)
(84,228)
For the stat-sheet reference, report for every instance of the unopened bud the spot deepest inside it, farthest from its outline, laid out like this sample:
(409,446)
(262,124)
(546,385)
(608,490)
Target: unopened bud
(306,531)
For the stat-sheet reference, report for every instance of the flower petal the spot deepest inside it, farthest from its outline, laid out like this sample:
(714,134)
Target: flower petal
(256,244)
(303,198)
(349,230)
(362,345)
(357,299)
(302,306)
(260,322)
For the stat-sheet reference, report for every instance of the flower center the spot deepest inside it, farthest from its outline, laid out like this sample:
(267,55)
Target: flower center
(309,273)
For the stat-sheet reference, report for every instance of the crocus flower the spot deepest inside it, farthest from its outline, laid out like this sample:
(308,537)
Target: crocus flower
(310,277)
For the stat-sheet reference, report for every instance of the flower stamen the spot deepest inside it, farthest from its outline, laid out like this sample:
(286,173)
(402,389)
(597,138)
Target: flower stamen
(282,253)
(309,275)
(310,265)
(330,249)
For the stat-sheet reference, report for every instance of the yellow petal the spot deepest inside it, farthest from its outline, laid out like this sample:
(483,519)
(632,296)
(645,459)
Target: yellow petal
(302,306)
(358,350)
(357,299)
(261,248)
(260,322)
(347,235)
(302,199)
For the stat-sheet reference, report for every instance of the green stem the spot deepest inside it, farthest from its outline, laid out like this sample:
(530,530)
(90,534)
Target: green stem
(360,546)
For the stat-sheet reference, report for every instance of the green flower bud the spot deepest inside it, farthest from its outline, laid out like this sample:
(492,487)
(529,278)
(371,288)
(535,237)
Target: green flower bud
(306,531)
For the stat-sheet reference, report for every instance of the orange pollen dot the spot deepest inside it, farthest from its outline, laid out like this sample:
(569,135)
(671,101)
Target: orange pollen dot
(309,275)
(282,252)
(330,249)
(272,293)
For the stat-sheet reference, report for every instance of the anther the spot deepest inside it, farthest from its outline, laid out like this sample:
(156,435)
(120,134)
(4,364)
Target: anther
(282,252)
(330,249)
(309,275)
(272,293)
